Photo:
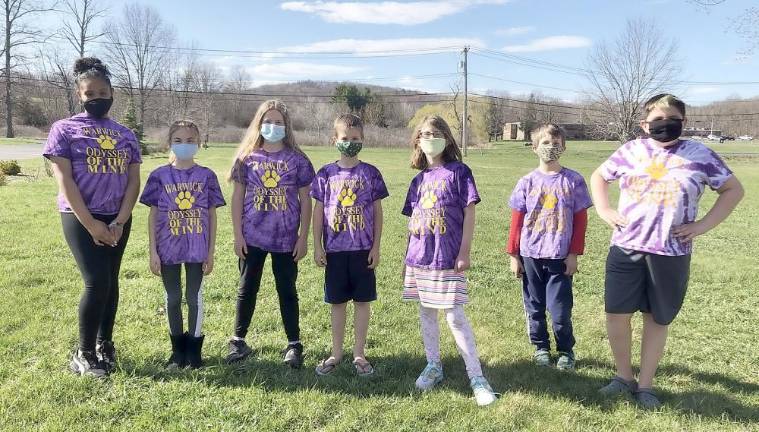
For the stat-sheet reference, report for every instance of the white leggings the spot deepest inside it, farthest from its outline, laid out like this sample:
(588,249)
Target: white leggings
(462,334)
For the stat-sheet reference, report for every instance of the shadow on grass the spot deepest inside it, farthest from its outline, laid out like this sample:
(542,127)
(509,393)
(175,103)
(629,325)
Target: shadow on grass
(395,376)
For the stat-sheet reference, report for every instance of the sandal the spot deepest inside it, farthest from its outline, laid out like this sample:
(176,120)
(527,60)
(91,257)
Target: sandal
(363,367)
(647,399)
(326,366)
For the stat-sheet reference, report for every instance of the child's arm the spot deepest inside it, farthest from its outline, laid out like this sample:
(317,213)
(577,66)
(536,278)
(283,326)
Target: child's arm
(208,265)
(600,189)
(374,253)
(577,243)
(238,195)
(320,257)
(301,246)
(99,231)
(128,202)
(155,261)
(512,248)
(730,194)
(463,261)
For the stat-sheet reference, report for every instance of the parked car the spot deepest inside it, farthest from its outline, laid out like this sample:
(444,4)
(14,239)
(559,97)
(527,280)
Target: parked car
(745,138)
(724,138)
(712,137)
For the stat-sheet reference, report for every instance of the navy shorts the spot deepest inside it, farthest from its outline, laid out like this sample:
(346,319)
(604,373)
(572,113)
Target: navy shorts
(348,277)
(650,283)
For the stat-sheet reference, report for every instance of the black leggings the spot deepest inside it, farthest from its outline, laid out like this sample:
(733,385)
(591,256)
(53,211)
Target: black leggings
(171,274)
(285,274)
(99,266)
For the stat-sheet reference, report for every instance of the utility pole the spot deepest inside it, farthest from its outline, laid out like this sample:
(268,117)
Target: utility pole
(464,134)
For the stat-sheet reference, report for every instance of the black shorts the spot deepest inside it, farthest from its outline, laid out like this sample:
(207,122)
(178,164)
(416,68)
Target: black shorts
(348,277)
(650,283)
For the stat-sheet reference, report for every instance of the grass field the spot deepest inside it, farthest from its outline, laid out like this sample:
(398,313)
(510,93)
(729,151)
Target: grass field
(708,380)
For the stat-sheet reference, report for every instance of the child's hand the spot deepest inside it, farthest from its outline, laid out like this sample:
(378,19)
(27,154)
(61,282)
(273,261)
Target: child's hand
(571,263)
(374,258)
(462,263)
(241,249)
(155,264)
(320,257)
(301,249)
(101,235)
(689,231)
(116,231)
(208,265)
(612,217)
(516,267)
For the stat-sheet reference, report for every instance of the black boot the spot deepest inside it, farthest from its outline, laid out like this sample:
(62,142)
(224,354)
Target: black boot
(194,348)
(178,357)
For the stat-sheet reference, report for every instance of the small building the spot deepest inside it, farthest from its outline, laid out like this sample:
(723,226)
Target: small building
(514,132)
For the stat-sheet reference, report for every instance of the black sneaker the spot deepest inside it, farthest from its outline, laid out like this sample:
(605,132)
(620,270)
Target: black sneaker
(86,363)
(293,355)
(238,351)
(106,353)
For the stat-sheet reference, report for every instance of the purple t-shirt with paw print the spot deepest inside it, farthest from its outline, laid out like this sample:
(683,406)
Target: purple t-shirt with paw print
(183,197)
(348,195)
(659,190)
(435,205)
(100,151)
(271,208)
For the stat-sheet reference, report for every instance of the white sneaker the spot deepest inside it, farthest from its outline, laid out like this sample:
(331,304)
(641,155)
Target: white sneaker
(430,376)
(483,393)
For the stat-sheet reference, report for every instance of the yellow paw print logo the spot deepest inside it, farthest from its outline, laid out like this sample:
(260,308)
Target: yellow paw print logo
(428,200)
(657,170)
(106,142)
(347,197)
(549,201)
(270,178)
(184,200)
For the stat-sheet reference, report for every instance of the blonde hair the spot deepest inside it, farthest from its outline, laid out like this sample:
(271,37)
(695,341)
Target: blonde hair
(450,153)
(662,101)
(180,124)
(549,129)
(347,121)
(253,140)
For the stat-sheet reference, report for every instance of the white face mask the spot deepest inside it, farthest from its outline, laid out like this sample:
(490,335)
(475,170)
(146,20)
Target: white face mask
(272,132)
(432,146)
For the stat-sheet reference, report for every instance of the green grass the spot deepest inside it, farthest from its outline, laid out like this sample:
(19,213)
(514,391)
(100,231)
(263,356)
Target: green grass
(708,379)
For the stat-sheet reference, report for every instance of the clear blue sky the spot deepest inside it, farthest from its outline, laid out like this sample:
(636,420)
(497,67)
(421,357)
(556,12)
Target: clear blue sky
(557,31)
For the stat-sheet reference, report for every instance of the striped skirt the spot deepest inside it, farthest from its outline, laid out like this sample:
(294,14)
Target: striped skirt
(440,289)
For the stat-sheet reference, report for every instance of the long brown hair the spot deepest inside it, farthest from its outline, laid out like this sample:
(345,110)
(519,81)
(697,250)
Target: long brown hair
(179,124)
(450,153)
(253,140)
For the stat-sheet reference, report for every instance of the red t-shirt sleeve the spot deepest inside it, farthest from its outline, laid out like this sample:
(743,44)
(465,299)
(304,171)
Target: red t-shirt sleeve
(515,232)
(579,226)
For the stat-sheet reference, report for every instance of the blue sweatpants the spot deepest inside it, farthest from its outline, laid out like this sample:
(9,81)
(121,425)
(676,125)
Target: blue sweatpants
(545,286)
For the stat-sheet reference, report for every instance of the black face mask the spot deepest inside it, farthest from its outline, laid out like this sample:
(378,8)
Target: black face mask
(665,130)
(98,107)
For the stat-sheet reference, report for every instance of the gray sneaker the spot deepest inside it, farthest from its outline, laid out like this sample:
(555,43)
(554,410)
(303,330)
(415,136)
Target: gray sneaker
(646,399)
(293,356)
(238,351)
(86,363)
(483,393)
(430,376)
(542,357)
(619,386)
(566,361)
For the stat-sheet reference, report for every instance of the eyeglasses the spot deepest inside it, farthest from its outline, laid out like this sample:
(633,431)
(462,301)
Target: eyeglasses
(429,134)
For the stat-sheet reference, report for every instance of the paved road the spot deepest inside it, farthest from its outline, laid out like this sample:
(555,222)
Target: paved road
(20,151)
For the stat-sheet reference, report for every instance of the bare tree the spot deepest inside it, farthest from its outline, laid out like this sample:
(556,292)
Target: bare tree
(140,52)
(207,84)
(18,32)
(626,72)
(55,70)
(78,29)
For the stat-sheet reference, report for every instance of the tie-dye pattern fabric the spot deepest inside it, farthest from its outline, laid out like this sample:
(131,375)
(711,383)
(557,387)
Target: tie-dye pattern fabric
(660,190)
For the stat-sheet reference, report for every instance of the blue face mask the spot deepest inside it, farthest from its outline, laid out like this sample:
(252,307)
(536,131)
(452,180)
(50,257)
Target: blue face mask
(272,132)
(184,151)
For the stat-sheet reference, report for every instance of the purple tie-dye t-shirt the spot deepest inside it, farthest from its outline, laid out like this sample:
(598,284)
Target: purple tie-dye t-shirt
(660,189)
(100,151)
(435,203)
(549,202)
(183,197)
(348,195)
(271,210)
